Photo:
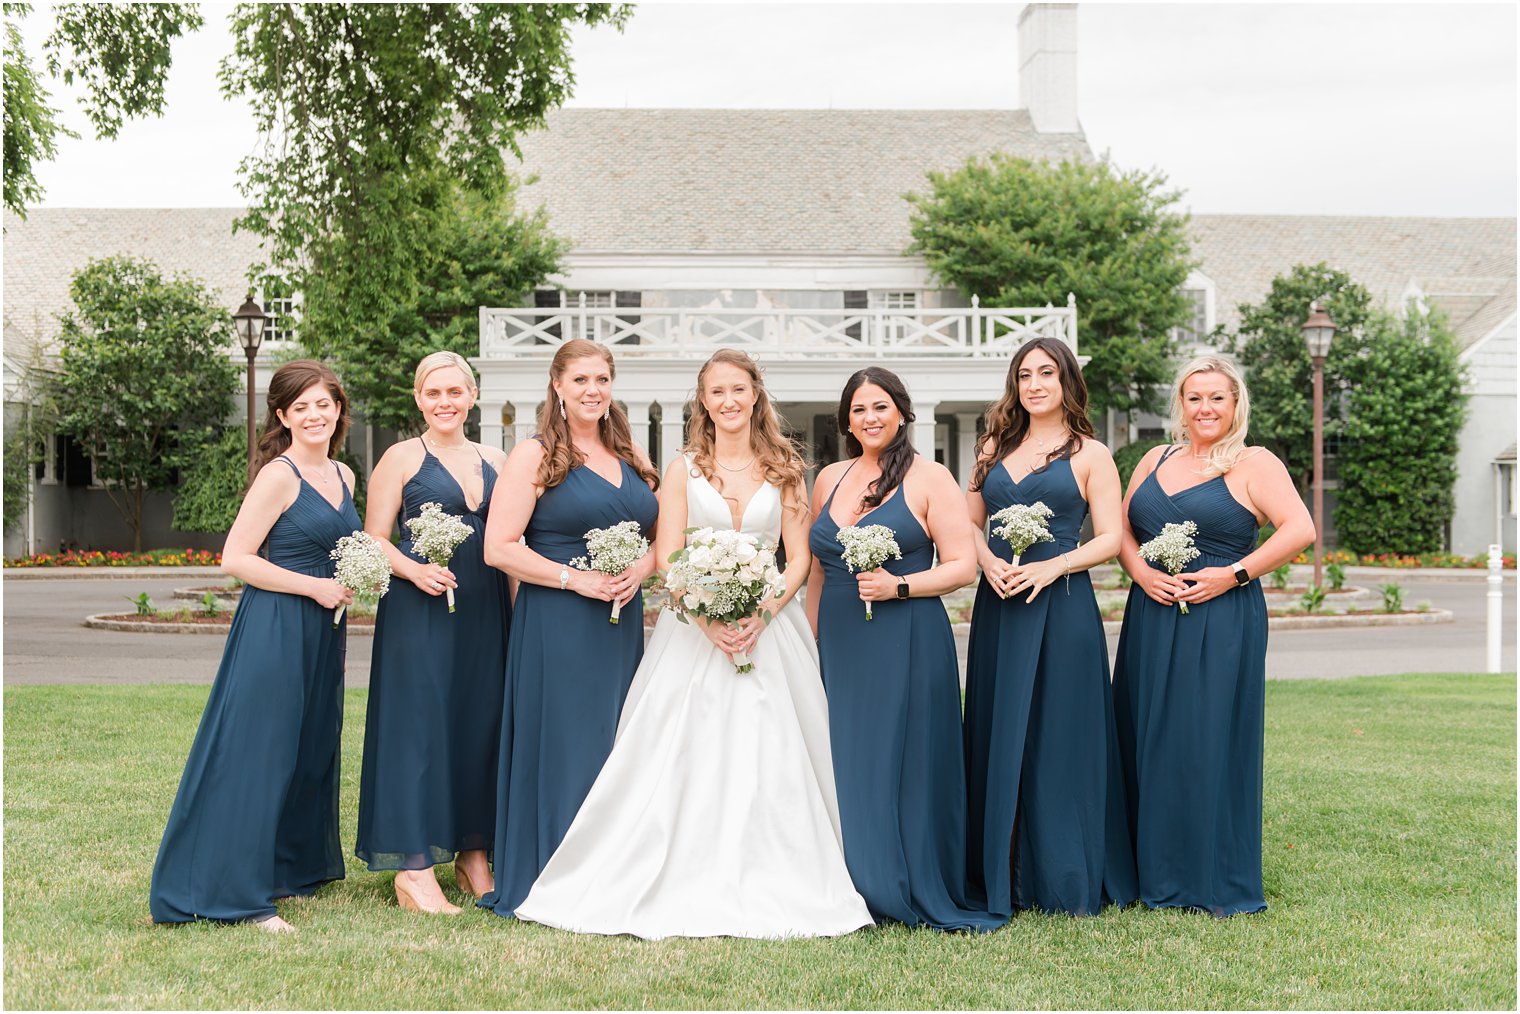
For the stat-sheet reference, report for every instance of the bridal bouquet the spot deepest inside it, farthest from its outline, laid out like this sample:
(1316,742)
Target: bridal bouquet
(867,547)
(1022,525)
(724,576)
(1173,549)
(434,536)
(613,550)
(362,568)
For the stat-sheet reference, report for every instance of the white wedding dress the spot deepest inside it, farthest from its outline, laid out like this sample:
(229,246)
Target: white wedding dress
(715,815)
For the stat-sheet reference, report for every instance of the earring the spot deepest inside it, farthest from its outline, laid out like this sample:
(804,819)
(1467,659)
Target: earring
(562,408)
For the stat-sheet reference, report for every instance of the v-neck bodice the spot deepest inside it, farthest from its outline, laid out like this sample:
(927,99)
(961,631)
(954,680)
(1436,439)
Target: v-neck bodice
(1056,487)
(1226,529)
(302,537)
(893,512)
(583,501)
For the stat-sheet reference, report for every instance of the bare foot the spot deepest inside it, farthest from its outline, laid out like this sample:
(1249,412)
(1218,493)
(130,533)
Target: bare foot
(274,924)
(418,891)
(473,874)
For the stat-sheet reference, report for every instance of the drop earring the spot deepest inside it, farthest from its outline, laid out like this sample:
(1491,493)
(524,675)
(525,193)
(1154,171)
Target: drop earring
(562,408)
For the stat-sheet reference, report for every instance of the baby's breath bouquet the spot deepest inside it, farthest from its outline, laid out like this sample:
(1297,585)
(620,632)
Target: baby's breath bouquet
(613,550)
(867,547)
(362,568)
(1173,549)
(435,534)
(723,575)
(1022,525)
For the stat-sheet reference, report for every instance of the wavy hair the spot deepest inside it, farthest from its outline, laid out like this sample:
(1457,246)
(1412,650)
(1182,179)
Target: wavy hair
(439,360)
(1228,448)
(778,456)
(284,388)
(560,455)
(897,457)
(1008,419)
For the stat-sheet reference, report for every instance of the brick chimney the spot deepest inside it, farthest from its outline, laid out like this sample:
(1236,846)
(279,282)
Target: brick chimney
(1048,66)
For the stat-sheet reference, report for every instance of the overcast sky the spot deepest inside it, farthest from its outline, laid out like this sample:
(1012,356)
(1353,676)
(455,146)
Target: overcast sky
(1372,109)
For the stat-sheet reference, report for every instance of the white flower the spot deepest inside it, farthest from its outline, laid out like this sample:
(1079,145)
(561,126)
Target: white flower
(1023,524)
(435,534)
(867,547)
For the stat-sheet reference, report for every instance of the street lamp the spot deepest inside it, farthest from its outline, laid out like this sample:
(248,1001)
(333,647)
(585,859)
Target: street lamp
(1318,330)
(250,330)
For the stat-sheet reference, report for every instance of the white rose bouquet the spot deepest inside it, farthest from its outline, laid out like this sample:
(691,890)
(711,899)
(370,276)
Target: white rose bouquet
(362,568)
(435,534)
(1173,549)
(867,547)
(1022,525)
(723,575)
(613,550)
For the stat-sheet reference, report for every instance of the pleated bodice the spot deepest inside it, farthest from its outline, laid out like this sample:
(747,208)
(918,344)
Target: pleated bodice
(303,537)
(585,500)
(1226,529)
(1056,487)
(433,483)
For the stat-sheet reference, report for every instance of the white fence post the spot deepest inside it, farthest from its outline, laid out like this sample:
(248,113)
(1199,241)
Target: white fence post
(1495,606)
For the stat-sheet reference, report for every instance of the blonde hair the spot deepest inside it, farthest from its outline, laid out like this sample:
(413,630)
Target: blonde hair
(560,455)
(1228,448)
(439,360)
(778,457)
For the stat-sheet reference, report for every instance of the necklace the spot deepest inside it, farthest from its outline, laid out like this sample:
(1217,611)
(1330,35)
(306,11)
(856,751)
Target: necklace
(1043,444)
(323,478)
(447,447)
(729,468)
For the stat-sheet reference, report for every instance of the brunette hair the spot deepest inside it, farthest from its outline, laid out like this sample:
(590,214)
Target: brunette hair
(897,456)
(1228,448)
(284,388)
(1008,419)
(778,456)
(560,455)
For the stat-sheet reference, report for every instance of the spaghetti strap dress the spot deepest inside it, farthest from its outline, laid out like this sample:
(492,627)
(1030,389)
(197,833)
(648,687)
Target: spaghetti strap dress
(427,789)
(1189,699)
(256,814)
(1048,824)
(568,669)
(895,725)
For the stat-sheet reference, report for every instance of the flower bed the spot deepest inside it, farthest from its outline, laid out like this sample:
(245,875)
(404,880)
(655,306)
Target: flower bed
(111,558)
(1404,561)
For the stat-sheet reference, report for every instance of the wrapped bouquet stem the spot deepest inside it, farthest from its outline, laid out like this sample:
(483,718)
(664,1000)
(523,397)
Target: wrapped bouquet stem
(723,576)
(1173,548)
(362,568)
(612,550)
(867,547)
(1021,525)
(435,535)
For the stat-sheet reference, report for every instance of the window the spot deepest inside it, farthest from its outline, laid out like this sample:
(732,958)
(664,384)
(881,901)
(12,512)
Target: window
(280,319)
(1196,327)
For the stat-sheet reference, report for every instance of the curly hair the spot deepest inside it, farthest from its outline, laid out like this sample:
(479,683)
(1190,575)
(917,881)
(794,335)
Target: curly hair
(284,388)
(1008,420)
(782,462)
(560,455)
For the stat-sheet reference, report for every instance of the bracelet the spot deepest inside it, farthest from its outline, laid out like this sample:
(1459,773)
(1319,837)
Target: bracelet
(1068,572)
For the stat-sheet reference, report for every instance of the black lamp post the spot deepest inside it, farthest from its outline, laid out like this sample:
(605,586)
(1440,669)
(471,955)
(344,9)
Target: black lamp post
(1318,331)
(250,330)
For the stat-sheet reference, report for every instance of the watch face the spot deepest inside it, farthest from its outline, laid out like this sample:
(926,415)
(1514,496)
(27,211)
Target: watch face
(902,589)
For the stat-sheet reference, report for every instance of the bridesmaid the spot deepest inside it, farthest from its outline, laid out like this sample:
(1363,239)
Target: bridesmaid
(1189,690)
(1047,820)
(568,665)
(427,793)
(256,815)
(893,685)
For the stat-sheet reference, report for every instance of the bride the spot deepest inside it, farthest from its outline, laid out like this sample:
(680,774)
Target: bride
(715,815)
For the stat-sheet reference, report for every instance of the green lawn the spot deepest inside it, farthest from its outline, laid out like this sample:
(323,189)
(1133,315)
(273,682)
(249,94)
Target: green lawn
(1390,876)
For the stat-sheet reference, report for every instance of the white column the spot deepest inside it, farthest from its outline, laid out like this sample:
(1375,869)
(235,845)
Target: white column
(524,421)
(965,445)
(491,429)
(672,430)
(638,420)
(923,428)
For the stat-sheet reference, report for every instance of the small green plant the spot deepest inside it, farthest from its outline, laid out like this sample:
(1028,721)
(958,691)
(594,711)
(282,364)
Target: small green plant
(1336,575)
(1393,596)
(1125,580)
(1280,576)
(1422,607)
(1313,598)
(143,603)
(210,604)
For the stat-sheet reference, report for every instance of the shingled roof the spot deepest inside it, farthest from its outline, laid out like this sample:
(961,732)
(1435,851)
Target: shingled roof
(43,252)
(1460,264)
(758,180)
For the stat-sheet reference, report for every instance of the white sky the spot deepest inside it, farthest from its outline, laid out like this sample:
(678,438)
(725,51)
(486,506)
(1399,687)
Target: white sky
(1372,109)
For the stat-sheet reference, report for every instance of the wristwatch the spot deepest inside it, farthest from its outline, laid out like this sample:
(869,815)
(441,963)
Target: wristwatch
(902,588)
(564,578)
(1241,577)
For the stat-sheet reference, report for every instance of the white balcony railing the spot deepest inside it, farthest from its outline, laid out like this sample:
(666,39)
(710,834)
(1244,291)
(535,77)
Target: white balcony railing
(667,332)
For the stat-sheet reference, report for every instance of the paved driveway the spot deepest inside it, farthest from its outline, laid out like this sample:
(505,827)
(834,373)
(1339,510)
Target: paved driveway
(45,643)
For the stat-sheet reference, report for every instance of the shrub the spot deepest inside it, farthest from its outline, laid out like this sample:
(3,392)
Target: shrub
(1393,596)
(1313,598)
(1336,575)
(214,482)
(1128,457)
(143,604)
(1280,576)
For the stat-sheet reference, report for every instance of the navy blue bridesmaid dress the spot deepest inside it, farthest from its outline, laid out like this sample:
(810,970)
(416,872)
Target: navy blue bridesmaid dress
(894,723)
(1048,827)
(256,815)
(568,669)
(428,785)
(1189,696)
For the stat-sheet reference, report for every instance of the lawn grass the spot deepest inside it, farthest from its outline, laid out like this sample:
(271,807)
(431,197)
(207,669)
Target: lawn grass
(1389,865)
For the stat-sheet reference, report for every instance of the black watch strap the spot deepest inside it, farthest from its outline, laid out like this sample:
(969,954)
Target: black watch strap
(902,589)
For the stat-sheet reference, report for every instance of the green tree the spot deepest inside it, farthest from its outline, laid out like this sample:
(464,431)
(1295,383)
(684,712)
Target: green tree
(1269,345)
(1404,409)
(375,118)
(144,379)
(119,54)
(1022,233)
(215,476)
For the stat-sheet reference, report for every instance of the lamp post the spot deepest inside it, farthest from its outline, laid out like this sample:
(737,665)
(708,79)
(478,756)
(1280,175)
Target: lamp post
(1318,330)
(250,331)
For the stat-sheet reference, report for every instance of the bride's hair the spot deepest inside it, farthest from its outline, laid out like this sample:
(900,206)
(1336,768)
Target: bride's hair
(778,456)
